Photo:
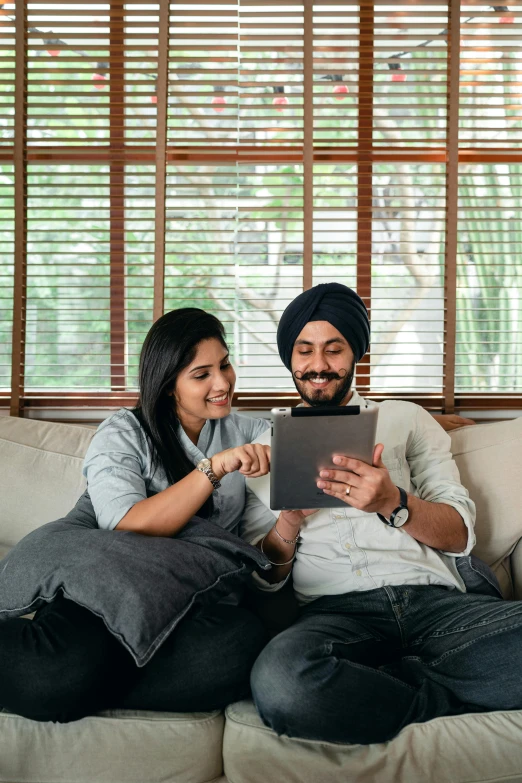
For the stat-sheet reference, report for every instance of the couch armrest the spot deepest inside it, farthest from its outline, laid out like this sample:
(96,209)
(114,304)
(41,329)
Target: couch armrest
(516,571)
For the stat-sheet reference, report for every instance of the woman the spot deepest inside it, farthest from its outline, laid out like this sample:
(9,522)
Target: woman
(146,472)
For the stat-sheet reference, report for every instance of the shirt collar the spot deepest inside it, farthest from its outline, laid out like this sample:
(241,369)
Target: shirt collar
(204,440)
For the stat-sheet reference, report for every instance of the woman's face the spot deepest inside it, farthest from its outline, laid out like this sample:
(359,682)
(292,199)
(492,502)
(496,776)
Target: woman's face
(204,389)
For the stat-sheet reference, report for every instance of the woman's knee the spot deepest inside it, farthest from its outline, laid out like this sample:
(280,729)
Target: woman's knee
(280,684)
(54,668)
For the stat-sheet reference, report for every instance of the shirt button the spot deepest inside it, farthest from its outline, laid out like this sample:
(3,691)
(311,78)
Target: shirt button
(358,572)
(347,546)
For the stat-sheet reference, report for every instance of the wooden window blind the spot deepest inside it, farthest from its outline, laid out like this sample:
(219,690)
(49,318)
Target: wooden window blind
(227,156)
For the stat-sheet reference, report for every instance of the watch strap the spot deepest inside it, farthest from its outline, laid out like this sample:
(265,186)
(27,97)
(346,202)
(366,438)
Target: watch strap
(403,504)
(209,473)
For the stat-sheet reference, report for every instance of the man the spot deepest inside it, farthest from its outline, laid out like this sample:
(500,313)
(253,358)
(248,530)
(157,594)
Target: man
(389,632)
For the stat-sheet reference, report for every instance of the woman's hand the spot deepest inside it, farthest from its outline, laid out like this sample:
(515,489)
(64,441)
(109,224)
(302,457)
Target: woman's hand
(294,519)
(252,460)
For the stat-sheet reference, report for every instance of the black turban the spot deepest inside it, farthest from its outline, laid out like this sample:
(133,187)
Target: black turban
(332,302)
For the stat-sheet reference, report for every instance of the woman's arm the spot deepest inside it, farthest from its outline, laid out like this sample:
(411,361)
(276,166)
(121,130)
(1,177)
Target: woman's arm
(166,513)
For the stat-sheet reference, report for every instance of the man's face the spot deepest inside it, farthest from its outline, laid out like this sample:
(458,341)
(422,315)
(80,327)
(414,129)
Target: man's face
(323,365)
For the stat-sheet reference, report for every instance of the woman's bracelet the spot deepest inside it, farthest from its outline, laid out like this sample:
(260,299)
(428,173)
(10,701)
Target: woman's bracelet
(291,541)
(287,562)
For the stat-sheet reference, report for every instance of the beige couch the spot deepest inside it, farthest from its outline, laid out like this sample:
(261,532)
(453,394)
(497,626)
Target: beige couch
(40,480)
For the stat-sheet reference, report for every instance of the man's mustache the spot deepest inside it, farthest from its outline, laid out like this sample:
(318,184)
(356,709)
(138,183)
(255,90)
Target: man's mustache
(310,376)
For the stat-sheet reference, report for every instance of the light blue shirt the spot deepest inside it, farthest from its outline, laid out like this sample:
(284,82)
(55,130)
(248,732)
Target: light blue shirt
(119,469)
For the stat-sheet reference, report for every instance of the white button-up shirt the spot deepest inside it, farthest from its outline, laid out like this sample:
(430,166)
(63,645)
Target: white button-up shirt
(344,550)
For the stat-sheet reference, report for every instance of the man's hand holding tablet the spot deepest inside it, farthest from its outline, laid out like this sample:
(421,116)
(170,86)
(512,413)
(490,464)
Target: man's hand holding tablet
(365,487)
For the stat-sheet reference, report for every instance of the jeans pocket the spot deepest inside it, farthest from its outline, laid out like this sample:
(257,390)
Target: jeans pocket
(477,576)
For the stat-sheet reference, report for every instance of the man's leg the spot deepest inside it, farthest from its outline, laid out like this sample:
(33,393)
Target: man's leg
(321,678)
(203,665)
(468,644)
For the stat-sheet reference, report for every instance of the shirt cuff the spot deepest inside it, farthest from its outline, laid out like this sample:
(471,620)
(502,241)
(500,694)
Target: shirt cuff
(472,539)
(268,587)
(259,582)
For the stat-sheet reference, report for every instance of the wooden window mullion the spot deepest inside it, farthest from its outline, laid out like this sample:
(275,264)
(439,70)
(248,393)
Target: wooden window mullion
(20,228)
(308,145)
(161,159)
(452,173)
(117,196)
(365,173)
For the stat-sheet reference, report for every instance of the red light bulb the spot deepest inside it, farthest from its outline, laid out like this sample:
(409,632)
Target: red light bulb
(99,80)
(153,98)
(53,52)
(280,101)
(506,20)
(398,76)
(339,91)
(218,103)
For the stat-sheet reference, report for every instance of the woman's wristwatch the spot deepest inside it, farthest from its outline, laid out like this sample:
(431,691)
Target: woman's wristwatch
(205,466)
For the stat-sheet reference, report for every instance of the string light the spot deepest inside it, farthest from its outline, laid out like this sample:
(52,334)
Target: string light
(280,100)
(503,19)
(396,67)
(339,90)
(99,78)
(52,42)
(218,99)
(398,74)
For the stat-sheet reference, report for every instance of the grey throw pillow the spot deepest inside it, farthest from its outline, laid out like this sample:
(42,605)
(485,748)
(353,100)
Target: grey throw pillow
(142,586)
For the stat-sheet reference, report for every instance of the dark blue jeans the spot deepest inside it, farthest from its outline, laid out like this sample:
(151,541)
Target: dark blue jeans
(65,664)
(359,667)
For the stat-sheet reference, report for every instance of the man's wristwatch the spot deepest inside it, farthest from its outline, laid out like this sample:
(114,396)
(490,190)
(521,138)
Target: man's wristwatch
(399,516)
(205,466)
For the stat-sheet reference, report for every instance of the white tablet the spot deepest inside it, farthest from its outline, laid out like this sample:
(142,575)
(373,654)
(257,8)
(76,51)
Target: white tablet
(304,442)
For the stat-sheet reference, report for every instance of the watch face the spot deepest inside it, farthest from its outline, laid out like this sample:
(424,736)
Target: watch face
(401,517)
(205,463)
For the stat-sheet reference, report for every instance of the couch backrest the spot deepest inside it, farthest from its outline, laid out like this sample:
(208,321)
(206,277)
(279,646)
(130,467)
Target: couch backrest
(40,473)
(41,478)
(489,458)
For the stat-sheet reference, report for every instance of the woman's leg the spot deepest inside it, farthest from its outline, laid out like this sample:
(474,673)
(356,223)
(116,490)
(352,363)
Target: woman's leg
(61,665)
(203,665)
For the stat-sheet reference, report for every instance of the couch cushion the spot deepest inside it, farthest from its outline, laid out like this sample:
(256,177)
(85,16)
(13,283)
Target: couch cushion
(120,746)
(41,477)
(489,462)
(461,749)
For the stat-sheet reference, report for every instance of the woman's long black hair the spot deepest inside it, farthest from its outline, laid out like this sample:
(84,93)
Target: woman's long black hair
(169,347)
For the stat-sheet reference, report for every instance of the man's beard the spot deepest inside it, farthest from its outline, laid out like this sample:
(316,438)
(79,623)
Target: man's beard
(320,399)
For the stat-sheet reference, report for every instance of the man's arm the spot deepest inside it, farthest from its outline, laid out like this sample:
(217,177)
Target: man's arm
(371,490)
(442,517)
(434,524)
